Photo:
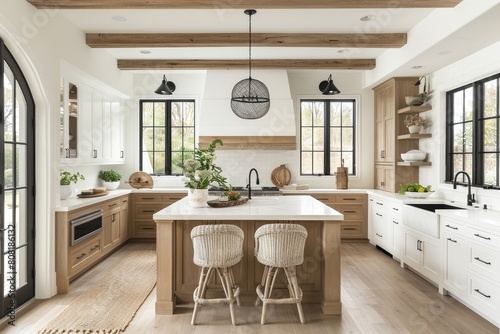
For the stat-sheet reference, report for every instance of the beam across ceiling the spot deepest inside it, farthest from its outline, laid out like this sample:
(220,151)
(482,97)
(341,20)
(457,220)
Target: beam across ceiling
(219,4)
(232,64)
(102,40)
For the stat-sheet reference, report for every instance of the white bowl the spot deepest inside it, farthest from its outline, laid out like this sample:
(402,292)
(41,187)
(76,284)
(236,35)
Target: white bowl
(415,194)
(413,155)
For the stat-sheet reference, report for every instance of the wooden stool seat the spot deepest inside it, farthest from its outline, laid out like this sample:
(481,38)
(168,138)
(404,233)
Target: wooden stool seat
(217,248)
(280,246)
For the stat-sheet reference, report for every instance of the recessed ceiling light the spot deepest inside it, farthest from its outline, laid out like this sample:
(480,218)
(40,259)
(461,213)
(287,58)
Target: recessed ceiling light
(368,18)
(146,52)
(416,67)
(118,18)
(343,51)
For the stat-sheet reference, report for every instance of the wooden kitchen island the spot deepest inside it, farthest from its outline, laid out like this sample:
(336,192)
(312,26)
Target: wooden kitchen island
(319,275)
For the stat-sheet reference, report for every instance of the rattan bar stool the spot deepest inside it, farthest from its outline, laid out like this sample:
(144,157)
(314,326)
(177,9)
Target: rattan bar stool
(217,248)
(280,246)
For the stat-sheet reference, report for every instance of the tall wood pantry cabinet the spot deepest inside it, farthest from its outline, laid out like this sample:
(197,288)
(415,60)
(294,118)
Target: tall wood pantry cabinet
(389,98)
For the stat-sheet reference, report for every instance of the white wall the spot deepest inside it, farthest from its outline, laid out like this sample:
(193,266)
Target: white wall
(477,66)
(39,40)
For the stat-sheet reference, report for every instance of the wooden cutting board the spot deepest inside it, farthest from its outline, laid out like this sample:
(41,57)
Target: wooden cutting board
(140,180)
(341,176)
(281,176)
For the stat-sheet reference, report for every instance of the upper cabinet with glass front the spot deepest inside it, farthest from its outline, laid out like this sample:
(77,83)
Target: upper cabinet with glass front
(68,120)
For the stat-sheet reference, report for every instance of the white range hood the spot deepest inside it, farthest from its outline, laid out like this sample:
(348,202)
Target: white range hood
(275,130)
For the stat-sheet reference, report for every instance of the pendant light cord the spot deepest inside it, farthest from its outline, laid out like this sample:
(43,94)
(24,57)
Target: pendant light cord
(250,46)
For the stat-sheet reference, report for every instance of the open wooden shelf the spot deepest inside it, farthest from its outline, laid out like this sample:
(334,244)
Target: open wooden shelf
(414,163)
(415,136)
(414,109)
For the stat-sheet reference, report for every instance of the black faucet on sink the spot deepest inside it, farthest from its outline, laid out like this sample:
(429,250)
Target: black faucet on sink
(249,185)
(470,198)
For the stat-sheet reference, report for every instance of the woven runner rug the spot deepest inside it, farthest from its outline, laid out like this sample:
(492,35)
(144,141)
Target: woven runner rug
(109,306)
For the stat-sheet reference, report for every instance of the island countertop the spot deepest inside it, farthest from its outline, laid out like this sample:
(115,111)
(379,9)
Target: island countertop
(259,208)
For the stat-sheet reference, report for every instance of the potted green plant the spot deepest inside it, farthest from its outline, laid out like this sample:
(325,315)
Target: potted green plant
(65,182)
(110,179)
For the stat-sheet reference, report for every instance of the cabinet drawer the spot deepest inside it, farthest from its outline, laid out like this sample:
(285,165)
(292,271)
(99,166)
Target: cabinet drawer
(148,198)
(484,261)
(451,227)
(351,230)
(145,229)
(350,212)
(483,238)
(351,198)
(484,295)
(172,198)
(84,254)
(124,203)
(146,211)
(111,204)
(395,210)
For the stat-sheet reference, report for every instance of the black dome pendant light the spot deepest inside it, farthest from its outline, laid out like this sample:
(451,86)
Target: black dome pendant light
(250,97)
(166,87)
(327,87)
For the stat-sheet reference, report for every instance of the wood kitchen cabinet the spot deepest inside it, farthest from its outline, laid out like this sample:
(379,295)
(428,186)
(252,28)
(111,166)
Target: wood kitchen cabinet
(390,97)
(354,207)
(144,206)
(74,260)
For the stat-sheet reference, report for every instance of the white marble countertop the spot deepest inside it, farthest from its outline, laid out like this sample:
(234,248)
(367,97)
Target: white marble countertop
(258,208)
(488,220)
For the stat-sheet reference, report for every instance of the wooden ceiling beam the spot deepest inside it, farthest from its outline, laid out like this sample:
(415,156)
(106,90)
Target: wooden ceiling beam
(157,40)
(220,4)
(232,64)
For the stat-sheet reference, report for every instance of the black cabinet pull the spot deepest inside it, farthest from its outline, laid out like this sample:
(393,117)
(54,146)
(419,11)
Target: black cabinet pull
(349,211)
(480,236)
(481,293)
(395,209)
(79,257)
(485,262)
(379,235)
(95,154)
(395,222)
(349,228)
(94,248)
(348,199)
(419,245)
(450,239)
(378,214)
(379,203)
(121,154)
(149,211)
(452,227)
(111,205)
(148,228)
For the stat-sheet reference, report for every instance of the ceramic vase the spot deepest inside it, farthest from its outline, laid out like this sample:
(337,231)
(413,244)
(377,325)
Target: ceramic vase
(65,191)
(111,185)
(198,197)
(414,128)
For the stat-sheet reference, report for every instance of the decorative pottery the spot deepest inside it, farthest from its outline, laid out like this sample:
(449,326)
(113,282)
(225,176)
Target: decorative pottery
(198,197)
(65,191)
(111,185)
(414,128)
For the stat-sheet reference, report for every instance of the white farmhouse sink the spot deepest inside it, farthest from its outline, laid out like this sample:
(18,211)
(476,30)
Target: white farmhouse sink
(422,216)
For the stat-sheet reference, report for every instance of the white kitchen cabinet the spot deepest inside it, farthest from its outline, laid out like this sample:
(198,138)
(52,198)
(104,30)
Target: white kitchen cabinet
(396,221)
(454,271)
(70,112)
(379,221)
(422,253)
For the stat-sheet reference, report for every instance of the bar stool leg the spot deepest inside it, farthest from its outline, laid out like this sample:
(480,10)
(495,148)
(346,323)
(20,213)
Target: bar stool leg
(199,291)
(295,290)
(262,284)
(272,272)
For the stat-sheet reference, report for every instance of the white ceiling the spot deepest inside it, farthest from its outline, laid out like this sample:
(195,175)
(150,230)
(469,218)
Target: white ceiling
(436,37)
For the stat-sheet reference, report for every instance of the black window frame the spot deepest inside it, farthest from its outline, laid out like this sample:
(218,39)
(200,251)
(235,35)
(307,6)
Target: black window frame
(478,119)
(168,132)
(327,168)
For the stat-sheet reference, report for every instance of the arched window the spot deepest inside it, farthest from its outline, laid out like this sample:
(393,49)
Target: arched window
(17,186)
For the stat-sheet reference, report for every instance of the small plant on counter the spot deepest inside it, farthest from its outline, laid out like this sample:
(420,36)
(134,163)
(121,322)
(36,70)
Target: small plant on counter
(66,178)
(416,120)
(414,187)
(231,195)
(110,176)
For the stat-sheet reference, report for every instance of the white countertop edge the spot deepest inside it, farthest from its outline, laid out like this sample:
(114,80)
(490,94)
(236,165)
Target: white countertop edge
(74,202)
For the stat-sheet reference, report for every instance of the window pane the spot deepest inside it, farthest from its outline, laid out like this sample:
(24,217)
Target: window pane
(318,114)
(319,139)
(188,112)
(490,98)
(335,161)
(8,113)
(159,163)
(335,139)
(347,113)
(318,163)
(159,111)
(306,113)
(458,136)
(468,104)
(468,163)
(159,139)
(468,137)
(306,141)
(490,135)
(335,114)
(347,140)
(176,114)
(21,165)
(21,109)
(9,165)
(306,163)
(176,139)
(21,217)
(176,163)
(188,144)
(147,139)
(458,163)
(458,107)
(348,161)
(147,114)
(490,168)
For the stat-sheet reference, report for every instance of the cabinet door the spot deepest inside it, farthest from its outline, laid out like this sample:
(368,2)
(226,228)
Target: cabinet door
(380,228)
(97,126)
(116,132)
(69,120)
(397,236)
(454,264)
(431,258)
(115,227)
(384,177)
(412,253)
(107,236)
(124,224)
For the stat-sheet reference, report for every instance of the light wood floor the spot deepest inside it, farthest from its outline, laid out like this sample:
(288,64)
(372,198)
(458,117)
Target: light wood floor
(377,295)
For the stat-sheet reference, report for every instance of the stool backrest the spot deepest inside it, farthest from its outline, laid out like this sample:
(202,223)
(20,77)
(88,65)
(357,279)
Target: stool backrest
(217,245)
(280,245)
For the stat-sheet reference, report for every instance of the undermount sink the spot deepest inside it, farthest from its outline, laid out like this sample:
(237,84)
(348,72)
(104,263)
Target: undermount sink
(436,206)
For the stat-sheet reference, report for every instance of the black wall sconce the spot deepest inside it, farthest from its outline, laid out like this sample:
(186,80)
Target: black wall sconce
(327,87)
(166,87)
(419,81)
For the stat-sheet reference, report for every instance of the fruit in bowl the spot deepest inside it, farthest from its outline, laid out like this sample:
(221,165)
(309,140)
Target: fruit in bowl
(415,190)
